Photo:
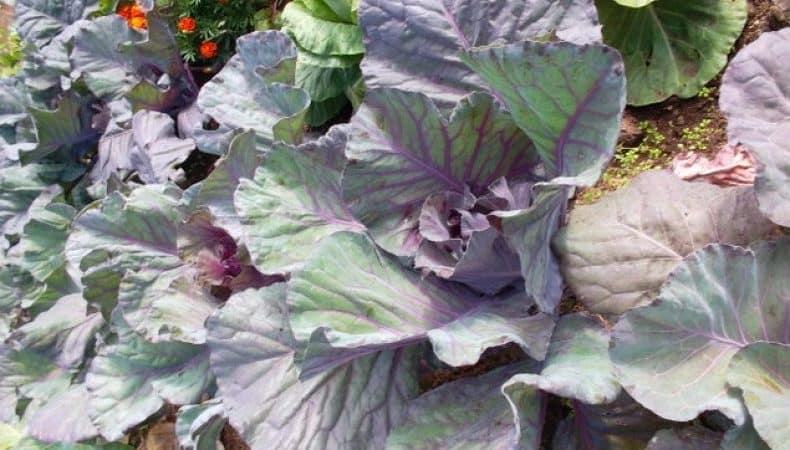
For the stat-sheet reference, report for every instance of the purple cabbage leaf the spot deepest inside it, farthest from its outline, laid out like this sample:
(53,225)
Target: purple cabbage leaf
(755,98)
(415,45)
(349,407)
(473,414)
(166,266)
(578,368)
(375,304)
(700,331)
(131,379)
(254,90)
(615,254)
(115,61)
(150,148)
(292,201)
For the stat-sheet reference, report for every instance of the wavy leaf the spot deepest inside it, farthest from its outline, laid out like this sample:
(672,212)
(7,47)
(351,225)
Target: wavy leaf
(407,40)
(293,201)
(350,407)
(756,101)
(717,301)
(376,304)
(248,92)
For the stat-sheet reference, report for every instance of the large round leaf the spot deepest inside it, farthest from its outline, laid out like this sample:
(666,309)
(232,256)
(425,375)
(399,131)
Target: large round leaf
(616,253)
(671,47)
(755,97)
(673,356)
(415,44)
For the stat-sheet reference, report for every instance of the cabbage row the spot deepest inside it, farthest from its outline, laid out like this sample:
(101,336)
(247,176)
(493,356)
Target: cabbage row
(301,290)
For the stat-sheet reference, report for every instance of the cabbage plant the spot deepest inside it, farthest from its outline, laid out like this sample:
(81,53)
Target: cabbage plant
(330,49)
(671,47)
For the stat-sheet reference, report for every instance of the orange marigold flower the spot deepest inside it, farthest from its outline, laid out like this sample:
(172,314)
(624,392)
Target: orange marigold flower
(187,25)
(208,49)
(125,12)
(139,23)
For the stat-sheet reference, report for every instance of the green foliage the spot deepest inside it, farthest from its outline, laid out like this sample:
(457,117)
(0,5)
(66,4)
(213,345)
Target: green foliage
(671,47)
(218,21)
(706,92)
(631,161)
(10,53)
(697,138)
(329,43)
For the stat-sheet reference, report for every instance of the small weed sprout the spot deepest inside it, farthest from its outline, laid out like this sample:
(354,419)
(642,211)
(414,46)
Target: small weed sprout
(696,138)
(705,92)
(630,162)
